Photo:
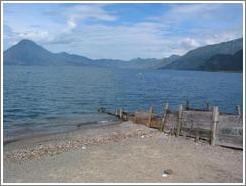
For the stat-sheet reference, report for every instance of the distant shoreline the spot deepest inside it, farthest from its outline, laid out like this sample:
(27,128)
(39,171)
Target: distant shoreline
(226,71)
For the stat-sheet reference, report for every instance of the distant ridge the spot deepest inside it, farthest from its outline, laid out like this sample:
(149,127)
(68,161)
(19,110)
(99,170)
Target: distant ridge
(26,52)
(225,56)
(224,62)
(196,59)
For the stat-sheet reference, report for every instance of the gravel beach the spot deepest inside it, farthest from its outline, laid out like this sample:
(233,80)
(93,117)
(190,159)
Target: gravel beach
(123,152)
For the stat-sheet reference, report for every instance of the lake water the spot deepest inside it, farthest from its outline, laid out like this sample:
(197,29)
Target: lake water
(54,99)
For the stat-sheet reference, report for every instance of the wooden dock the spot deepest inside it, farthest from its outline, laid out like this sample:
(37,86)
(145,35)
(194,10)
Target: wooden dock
(209,124)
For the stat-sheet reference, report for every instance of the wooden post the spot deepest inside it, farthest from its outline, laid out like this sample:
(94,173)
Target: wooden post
(162,126)
(187,106)
(179,120)
(215,120)
(172,130)
(135,118)
(197,136)
(150,116)
(125,116)
(238,110)
(121,113)
(207,105)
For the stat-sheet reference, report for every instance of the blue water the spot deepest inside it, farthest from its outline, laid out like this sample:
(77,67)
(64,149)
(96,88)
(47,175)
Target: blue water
(52,99)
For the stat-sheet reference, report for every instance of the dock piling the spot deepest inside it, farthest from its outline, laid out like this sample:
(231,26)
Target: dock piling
(238,110)
(215,120)
(187,106)
(207,105)
(197,136)
(150,116)
(179,120)
(162,126)
(121,113)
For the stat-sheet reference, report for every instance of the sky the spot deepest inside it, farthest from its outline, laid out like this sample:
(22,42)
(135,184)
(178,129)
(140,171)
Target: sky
(122,31)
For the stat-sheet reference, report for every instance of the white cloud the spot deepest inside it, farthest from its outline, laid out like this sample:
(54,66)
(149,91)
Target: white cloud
(187,12)
(120,41)
(157,37)
(188,43)
(71,24)
(78,13)
(34,34)
(223,36)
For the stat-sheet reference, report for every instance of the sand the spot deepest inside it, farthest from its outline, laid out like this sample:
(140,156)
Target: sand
(119,153)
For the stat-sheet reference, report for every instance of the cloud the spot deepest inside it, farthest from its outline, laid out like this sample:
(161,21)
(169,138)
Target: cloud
(77,13)
(201,24)
(120,41)
(34,34)
(188,10)
(223,36)
(9,36)
(188,43)
(94,30)
(178,30)
(196,13)
(52,32)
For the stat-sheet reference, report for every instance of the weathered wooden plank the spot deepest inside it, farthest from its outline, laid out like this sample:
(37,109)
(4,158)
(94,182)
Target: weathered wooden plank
(150,116)
(214,124)
(230,121)
(179,120)
(238,110)
(164,118)
(121,113)
(203,133)
(197,136)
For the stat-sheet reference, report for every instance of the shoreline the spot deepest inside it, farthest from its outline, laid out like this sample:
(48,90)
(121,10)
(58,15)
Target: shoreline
(8,140)
(123,152)
(56,143)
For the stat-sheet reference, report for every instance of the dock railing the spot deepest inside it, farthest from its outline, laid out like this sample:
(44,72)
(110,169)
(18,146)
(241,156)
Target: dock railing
(201,124)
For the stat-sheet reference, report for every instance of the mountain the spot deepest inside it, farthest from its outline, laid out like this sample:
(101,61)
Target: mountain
(137,63)
(195,59)
(224,62)
(27,52)
(222,56)
(144,63)
(166,61)
(73,59)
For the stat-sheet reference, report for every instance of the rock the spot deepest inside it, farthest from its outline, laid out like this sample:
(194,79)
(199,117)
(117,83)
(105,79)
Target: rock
(167,172)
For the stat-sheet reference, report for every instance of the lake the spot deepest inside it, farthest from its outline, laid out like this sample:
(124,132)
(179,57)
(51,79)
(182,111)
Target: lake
(39,99)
